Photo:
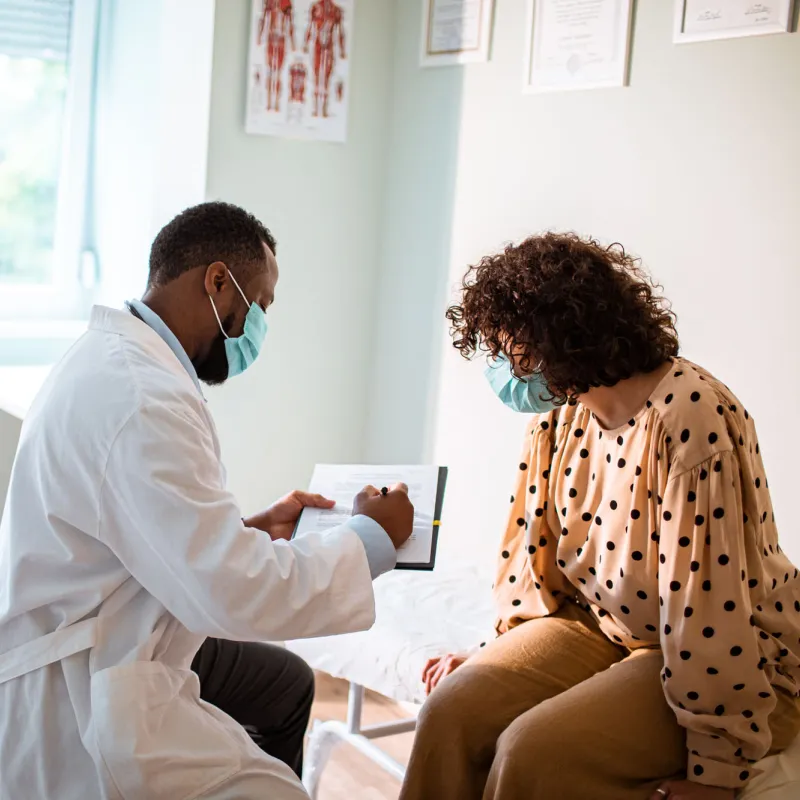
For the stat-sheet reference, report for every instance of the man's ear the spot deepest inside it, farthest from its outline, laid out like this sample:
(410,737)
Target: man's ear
(216,278)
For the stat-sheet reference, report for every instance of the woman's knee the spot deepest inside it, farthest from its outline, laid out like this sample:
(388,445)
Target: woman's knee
(438,711)
(524,740)
(454,708)
(529,754)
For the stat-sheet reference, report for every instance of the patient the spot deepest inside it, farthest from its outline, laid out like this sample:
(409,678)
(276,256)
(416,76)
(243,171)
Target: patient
(648,631)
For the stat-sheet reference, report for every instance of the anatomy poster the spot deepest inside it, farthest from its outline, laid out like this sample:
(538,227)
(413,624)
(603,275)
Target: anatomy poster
(299,68)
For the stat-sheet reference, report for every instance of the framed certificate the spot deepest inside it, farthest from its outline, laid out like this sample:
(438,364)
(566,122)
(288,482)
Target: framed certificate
(456,31)
(704,20)
(577,44)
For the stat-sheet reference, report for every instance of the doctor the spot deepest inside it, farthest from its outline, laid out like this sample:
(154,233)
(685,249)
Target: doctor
(121,551)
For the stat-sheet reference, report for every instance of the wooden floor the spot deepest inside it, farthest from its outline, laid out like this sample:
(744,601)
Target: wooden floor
(349,775)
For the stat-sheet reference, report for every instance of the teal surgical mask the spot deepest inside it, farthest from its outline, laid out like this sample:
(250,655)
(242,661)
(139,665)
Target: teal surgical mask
(519,394)
(242,351)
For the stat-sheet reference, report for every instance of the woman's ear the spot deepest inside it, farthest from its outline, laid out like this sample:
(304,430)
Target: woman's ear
(216,277)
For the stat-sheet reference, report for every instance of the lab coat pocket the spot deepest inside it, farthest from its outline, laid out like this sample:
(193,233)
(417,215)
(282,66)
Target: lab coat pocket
(158,740)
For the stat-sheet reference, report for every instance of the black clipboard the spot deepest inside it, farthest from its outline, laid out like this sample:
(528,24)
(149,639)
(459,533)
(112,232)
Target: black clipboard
(437,521)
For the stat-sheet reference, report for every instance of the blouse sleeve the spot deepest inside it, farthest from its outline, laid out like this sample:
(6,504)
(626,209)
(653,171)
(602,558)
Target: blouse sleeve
(713,673)
(529,583)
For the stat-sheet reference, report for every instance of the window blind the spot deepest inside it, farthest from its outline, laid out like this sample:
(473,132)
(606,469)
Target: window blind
(35,28)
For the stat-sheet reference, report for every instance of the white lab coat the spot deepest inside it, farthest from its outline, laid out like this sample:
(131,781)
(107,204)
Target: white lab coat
(119,536)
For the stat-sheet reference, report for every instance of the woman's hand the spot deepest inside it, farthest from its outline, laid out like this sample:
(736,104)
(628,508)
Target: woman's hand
(686,790)
(438,668)
(281,517)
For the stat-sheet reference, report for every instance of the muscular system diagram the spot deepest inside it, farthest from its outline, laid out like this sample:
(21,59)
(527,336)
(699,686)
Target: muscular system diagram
(325,29)
(298,77)
(275,27)
(297,88)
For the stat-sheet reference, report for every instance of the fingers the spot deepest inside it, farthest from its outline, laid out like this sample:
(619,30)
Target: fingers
(399,487)
(661,792)
(431,668)
(438,668)
(432,662)
(437,675)
(313,500)
(432,679)
(439,672)
(450,667)
(369,491)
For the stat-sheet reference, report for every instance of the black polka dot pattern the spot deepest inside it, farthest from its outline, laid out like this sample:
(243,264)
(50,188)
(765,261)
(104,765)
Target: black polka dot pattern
(650,512)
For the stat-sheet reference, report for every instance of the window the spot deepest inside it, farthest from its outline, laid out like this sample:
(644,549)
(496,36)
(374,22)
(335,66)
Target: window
(47,61)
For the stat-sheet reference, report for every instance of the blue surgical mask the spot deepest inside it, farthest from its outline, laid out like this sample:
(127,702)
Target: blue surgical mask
(519,394)
(242,351)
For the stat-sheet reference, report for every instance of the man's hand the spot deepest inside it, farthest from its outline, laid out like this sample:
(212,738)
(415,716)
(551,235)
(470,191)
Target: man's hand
(686,790)
(393,511)
(438,668)
(281,517)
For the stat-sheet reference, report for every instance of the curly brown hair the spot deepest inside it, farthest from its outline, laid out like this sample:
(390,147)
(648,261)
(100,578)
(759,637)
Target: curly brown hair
(588,313)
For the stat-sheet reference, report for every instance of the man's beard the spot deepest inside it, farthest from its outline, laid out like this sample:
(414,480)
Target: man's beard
(213,369)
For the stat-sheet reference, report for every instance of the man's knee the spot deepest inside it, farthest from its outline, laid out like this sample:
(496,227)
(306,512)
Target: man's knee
(303,682)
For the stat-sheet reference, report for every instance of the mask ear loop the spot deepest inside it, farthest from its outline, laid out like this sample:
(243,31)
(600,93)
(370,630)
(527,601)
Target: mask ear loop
(236,284)
(219,321)
(216,313)
(535,370)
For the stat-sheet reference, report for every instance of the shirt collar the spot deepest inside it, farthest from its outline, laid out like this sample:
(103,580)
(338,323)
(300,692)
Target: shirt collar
(149,317)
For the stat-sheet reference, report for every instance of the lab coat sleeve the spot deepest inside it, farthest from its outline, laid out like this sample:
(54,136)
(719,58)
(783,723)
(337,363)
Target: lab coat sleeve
(165,513)
(381,553)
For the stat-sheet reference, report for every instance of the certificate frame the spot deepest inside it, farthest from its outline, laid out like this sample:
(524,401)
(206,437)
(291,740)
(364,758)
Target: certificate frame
(617,74)
(430,57)
(684,34)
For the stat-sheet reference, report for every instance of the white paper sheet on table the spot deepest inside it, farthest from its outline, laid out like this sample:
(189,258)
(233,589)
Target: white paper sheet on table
(342,482)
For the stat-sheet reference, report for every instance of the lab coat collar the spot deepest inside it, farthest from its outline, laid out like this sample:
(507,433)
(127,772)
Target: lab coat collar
(160,327)
(123,323)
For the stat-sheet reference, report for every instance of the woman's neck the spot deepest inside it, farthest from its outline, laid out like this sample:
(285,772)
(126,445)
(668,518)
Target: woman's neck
(615,405)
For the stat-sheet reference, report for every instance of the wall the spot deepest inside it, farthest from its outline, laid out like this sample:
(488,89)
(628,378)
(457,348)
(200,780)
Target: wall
(306,399)
(694,167)
(151,130)
(425,118)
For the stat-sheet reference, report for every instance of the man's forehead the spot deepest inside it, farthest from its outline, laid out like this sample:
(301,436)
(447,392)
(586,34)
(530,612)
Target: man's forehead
(272,263)
(261,287)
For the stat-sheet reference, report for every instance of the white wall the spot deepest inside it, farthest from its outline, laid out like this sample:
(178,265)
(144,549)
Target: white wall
(694,167)
(425,117)
(306,399)
(151,130)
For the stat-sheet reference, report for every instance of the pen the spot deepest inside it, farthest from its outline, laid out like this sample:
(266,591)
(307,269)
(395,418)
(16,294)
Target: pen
(384,491)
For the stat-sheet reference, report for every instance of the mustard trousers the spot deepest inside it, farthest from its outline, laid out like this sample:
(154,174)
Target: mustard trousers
(553,710)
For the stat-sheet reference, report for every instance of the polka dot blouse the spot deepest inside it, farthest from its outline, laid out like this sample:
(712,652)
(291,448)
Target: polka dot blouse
(664,528)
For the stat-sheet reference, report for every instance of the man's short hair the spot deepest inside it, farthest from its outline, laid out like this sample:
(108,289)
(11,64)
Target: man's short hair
(207,233)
